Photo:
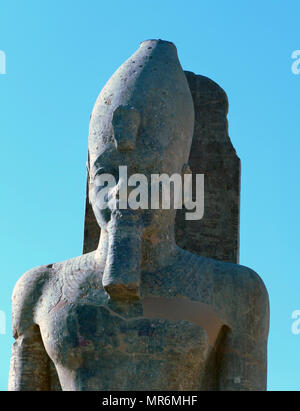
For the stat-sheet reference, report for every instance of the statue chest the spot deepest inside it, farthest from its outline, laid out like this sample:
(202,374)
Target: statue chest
(106,351)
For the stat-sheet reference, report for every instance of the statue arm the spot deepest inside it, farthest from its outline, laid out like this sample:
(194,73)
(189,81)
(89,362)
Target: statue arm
(29,365)
(243,352)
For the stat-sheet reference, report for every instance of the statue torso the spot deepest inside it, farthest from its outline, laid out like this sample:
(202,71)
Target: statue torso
(159,343)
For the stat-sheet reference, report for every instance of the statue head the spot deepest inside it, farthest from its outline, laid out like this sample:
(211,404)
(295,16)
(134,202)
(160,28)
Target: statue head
(143,120)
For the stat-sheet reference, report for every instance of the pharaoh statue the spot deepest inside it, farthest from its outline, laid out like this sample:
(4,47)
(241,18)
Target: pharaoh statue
(139,312)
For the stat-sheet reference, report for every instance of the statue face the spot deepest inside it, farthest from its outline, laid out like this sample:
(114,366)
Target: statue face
(117,178)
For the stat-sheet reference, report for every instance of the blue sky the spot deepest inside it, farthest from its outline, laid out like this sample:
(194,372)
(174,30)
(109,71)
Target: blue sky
(59,56)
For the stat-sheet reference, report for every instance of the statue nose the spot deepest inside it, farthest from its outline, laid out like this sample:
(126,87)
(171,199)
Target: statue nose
(121,277)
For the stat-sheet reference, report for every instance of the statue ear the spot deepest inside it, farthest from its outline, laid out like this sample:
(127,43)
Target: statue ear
(126,122)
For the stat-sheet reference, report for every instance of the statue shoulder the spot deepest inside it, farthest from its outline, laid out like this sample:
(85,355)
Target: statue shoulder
(232,287)
(25,296)
(254,290)
(249,284)
(30,287)
(236,277)
(243,289)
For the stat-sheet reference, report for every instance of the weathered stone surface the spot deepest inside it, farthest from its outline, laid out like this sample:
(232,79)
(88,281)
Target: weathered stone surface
(216,235)
(140,313)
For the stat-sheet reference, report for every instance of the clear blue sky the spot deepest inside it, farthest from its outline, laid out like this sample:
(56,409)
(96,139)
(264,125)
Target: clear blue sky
(59,55)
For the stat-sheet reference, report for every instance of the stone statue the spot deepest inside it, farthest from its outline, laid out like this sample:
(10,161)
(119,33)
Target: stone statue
(140,313)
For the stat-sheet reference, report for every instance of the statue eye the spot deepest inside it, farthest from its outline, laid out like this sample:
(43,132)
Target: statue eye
(100,171)
(107,170)
(104,177)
